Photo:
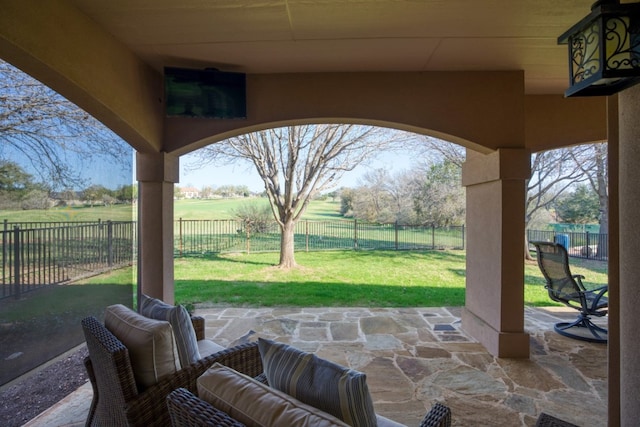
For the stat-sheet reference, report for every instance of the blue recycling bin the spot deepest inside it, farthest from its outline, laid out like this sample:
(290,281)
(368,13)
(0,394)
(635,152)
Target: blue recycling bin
(562,239)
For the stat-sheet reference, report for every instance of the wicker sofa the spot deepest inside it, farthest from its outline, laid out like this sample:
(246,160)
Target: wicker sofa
(119,400)
(187,409)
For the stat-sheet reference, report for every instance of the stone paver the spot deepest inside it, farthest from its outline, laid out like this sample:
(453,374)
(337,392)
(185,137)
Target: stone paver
(414,357)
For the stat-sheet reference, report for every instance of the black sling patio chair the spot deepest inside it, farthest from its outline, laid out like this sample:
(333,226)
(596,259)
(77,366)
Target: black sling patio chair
(568,289)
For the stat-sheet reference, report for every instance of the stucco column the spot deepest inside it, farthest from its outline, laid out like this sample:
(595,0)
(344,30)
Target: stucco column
(156,173)
(629,204)
(494,308)
(613,381)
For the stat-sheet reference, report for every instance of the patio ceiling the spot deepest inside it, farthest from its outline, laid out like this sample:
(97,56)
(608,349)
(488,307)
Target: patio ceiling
(297,36)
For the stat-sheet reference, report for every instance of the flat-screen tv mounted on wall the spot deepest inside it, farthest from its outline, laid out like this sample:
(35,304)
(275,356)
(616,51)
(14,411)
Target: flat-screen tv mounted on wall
(205,93)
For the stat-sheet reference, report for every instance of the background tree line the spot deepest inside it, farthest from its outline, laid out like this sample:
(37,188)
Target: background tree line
(20,190)
(212,192)
(429,194)
(568,185)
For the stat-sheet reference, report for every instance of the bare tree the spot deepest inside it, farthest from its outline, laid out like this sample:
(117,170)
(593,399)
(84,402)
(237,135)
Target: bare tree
(552,172)
(426,194)
(437,150)
(592,161)
(402,188)
(372,200)
(298,162)
(55,136)
(439,198)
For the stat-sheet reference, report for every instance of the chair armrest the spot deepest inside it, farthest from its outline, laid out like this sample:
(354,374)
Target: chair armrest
(438,416)
(198,326)
(546,420)
(244,358)
(187,410)
(578,279)
(150,408)
(597,300)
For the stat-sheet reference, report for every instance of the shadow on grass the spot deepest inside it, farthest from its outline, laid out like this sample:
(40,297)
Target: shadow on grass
(378,255)
(45,323)
(373,255)
(230,257)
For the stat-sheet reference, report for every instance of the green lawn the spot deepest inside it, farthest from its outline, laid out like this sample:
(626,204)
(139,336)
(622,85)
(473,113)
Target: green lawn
(224,208)
(185,209)
(341,278)
(79,213)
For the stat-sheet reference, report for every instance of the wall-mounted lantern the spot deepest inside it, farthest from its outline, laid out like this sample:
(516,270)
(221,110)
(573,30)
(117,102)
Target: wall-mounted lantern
(604,49)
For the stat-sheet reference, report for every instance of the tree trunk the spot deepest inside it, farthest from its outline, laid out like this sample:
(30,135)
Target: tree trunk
(287,249)
(603,197)
(527,253)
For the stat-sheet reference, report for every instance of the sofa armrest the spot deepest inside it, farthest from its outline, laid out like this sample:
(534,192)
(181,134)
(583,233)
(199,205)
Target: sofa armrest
(109,369)
(198,326)
(150,409)
(438,416)
(187,410)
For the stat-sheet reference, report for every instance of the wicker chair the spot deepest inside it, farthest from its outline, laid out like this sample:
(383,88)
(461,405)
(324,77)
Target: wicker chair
(116,398)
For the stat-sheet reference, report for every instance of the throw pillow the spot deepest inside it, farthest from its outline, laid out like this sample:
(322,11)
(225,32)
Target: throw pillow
(150,343)
(340,391)
(180,321)
(256,404)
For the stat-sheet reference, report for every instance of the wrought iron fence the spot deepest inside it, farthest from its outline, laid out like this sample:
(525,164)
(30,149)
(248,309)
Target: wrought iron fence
(35,255)
(579,245)
(194,237)
(44,255)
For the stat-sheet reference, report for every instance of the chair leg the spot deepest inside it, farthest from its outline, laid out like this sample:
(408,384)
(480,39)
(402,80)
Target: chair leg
(599,335)
(94,401)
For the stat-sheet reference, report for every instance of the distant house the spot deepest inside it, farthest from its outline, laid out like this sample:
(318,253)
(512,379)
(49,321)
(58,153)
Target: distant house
(190,192)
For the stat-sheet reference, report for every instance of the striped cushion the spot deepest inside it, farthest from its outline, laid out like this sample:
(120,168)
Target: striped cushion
(325,385)
(255,404)
(180,321)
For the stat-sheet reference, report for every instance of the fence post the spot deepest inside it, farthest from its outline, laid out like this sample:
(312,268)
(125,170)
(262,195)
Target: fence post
(433,236)
(16,261)
(248,238)
(180,236)
(355,234)
(4,250)
(395,224)
(306,234)
(109,243)
(588,245)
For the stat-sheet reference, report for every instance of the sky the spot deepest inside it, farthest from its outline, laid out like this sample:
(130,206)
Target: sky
(112,176)
(243,175)
(106,172)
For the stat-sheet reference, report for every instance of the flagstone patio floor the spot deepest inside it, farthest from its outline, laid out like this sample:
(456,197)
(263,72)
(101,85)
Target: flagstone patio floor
(414,357)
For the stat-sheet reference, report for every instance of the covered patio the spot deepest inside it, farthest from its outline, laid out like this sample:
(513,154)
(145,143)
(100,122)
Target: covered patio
(414,357)
(488,75)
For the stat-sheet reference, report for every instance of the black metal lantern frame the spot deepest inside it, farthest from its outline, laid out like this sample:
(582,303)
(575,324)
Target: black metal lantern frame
(604,50)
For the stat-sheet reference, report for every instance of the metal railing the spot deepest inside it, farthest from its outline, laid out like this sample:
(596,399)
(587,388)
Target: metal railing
(36,255)
(579,245)
(43,255)
(194,237)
